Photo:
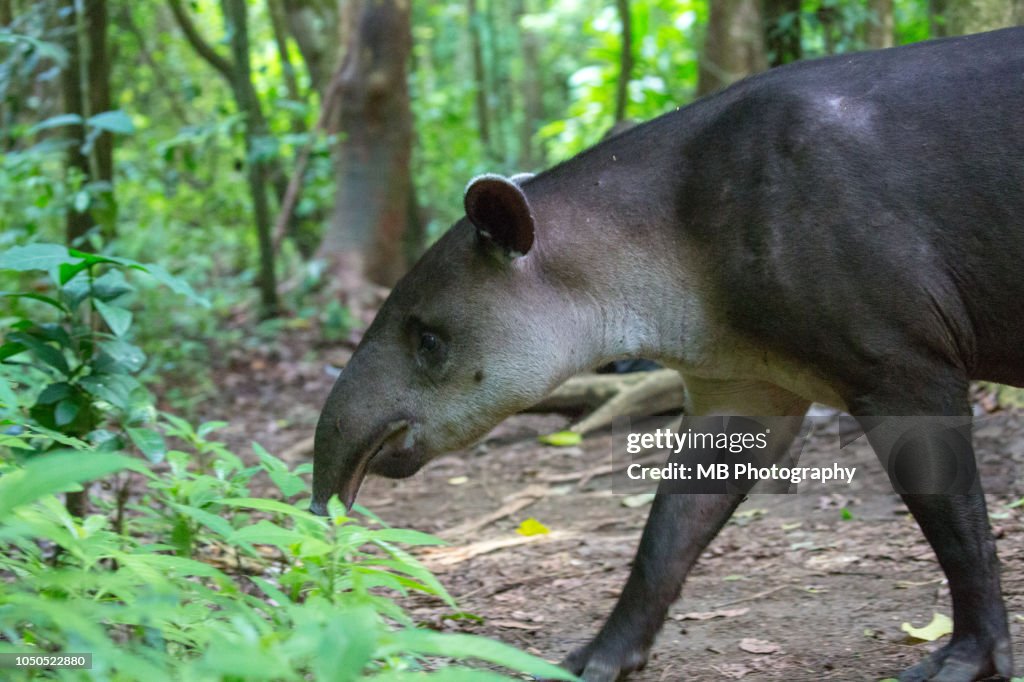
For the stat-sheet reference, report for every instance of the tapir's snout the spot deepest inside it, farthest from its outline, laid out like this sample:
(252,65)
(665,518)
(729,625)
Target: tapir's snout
(341,462)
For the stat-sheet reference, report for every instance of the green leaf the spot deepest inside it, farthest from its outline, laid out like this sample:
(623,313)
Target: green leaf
(457,645)
(206,428)
(10,349)
(116,389)
(157,272)
(561,439)
(44,352)
(450,675)
(56,122)
(347,645)
(269,461)
(113,121)
(35,257)
(36,297)
(217,524)
(110,285)
(149,442)
(53,393)
(116,317)
(289,484)
(57,472)
(66,411)
(82,201)
(271,506)
(8,398)
(130,357)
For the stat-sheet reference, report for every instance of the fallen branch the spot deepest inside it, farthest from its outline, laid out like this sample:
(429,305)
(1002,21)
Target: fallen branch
(514,503)
(437,558)
(636,394)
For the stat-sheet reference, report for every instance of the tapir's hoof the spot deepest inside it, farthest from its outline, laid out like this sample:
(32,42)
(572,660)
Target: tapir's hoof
(603,664)
(964,660)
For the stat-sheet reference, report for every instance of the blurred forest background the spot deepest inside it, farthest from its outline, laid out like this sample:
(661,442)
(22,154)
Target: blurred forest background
(241,141)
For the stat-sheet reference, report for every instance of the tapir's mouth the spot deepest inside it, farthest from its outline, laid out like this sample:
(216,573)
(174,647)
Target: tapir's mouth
(387,446)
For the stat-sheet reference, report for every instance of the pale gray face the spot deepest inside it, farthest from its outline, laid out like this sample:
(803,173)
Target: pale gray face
(468,337)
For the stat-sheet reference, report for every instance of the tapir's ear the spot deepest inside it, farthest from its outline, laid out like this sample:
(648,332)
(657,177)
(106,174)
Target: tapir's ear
(500,212)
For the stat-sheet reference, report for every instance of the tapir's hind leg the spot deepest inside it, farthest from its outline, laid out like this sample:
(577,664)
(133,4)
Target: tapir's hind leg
(931,463)
(678,529)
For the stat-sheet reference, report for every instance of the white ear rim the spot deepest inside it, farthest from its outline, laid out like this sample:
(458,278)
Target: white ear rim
(483,176)
(520,178)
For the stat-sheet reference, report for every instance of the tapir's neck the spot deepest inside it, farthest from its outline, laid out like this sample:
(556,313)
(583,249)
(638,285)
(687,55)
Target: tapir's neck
(628,270)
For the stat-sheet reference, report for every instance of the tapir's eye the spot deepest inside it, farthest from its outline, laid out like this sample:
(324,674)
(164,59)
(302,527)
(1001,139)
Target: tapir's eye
(429,342)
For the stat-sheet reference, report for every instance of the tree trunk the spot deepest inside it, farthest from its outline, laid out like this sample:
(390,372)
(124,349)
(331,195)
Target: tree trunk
(625,60)
(483,118)
(236,18)
(371,211)
(238,73)
(277,24)
(533,94)
(733,44)
(6,13)
(937,18)
(975,16)
(86,90)
(782,31)
(880,31)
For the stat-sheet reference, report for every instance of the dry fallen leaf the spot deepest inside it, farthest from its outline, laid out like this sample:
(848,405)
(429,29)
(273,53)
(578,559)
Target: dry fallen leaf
(514,624)
(633,501)
(758,646)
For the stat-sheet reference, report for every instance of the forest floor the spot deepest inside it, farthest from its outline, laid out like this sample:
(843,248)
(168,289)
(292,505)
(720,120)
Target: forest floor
(809,586)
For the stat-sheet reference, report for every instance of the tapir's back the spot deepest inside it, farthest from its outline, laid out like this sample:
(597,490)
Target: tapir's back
(860,203)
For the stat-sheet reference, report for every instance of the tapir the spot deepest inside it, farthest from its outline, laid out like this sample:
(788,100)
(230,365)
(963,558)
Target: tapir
(848,231)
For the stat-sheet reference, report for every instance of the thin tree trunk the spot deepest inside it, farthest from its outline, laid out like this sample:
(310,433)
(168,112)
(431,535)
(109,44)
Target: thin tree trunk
(880,31)
(86,90)
(827,18)
(6,14)
(371,210)
(937,18)
(236,17)
(277,24)
(733,45)
(483,123)
(237,72)
(782,31)
(625,60)
(533,94)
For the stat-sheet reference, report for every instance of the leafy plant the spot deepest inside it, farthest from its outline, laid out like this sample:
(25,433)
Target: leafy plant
(269,591)
(79,351)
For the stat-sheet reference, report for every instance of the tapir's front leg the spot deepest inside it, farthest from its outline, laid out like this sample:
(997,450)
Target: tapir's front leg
(678,529)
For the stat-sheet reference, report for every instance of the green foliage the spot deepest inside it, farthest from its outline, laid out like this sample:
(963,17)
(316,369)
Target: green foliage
(70,338)
(183,573)
(266,590)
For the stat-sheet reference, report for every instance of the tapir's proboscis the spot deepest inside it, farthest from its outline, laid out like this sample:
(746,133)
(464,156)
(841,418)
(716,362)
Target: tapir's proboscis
(848,231)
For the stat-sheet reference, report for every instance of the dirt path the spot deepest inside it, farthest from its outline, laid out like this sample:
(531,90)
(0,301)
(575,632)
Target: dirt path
(824,592)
